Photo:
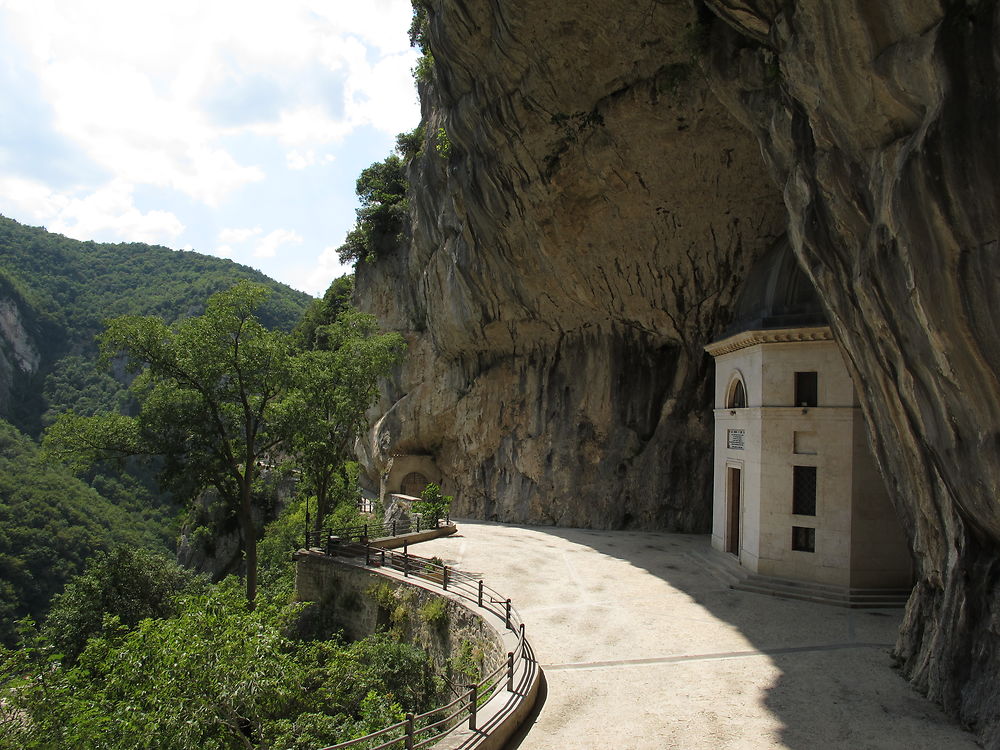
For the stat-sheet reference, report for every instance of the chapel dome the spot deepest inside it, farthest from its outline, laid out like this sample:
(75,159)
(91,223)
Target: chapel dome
(776,294)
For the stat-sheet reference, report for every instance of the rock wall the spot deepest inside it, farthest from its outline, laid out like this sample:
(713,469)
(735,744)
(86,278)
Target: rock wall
(879,121)
(580,244)
(587,234)
(22,337)
(359,602)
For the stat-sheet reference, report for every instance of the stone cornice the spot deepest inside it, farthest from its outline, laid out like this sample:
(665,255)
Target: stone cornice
(772,336)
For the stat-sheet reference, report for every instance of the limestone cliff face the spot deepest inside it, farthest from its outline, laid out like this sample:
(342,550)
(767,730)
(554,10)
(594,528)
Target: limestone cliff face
(879,121)
(572,255)
(20,359)
(586,236)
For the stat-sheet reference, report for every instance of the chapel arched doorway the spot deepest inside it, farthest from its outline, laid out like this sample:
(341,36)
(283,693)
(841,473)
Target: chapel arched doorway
(413,484)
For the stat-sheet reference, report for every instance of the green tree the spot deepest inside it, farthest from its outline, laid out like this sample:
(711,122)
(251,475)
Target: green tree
(212,676)
(433,504)
(410,144)
(207,392)
(330,391)
(323,312)
(51,523)
(383,217)
(129,584)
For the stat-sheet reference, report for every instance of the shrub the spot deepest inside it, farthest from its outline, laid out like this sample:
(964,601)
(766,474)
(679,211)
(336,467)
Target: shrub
(384,213)
(432,504)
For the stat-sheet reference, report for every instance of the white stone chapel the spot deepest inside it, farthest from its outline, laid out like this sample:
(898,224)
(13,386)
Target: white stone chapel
(797,494)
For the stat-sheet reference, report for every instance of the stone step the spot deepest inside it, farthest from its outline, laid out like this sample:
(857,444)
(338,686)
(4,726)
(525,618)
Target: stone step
(724,567)
(842,596)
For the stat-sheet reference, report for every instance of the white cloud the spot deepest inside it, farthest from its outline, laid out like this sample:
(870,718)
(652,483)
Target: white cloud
(218,103)
(299,160)
(268,246)
(316,279)
(108,213)
(237,235)
(128,81)
(223,251)
(31,198)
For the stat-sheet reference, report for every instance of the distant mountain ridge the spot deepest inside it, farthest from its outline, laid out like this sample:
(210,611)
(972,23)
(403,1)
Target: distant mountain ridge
(56,293)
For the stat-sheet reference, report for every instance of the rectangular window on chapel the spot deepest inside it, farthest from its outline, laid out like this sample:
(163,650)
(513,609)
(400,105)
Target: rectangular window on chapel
(803,539)
(806,389)
(804,490)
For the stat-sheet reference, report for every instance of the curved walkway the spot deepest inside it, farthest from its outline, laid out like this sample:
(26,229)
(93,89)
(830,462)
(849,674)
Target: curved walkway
(644,647)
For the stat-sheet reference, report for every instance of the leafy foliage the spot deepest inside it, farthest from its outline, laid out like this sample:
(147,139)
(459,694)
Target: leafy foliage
(419,25)
(50,524)
(75,286)
(330,391)
(432,504)
(208,393)
(61,291)
(214,676)
(383,218)
(442,143)
(127,584)
(409,145)
(67,289)
(419,31)
(323,312)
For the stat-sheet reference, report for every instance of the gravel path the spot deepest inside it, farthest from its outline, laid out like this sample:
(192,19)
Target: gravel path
(644,646)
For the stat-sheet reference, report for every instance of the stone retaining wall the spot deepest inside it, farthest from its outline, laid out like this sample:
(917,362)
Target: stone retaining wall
(360,601)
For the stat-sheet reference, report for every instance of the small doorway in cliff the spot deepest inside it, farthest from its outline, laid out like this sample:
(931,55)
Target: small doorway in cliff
(413,484)
(734,483)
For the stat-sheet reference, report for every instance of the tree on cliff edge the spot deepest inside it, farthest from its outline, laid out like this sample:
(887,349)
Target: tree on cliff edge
(208,388)
(331,388)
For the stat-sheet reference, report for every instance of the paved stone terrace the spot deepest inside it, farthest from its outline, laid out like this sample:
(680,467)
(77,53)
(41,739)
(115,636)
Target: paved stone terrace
(644,646)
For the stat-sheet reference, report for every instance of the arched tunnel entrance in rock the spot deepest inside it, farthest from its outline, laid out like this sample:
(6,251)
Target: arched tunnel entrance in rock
(409,474)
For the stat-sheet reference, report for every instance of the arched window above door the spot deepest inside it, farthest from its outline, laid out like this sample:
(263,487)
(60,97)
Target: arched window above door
(737,398)
(413,484)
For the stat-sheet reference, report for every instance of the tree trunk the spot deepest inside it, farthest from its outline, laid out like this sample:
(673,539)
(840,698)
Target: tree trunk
(249,532)
(322,500)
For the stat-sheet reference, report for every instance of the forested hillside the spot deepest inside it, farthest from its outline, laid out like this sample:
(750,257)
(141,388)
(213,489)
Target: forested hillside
(51,522)
(65,289)
(55,296)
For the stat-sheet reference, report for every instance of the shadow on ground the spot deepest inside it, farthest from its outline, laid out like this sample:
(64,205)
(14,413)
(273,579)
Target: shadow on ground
(729,668)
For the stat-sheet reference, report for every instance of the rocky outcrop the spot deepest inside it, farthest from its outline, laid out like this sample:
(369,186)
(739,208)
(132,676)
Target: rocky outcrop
(588,231)
(879,121)
(22,338)
(580,243)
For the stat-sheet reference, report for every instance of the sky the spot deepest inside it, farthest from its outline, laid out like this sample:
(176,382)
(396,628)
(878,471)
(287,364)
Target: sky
(235,128)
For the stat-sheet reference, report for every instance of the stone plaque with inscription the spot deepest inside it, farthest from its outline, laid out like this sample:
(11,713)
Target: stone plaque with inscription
(735,439)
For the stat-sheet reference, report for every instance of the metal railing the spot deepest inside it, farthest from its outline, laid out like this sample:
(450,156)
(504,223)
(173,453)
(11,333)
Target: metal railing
(422,730)
(326,539)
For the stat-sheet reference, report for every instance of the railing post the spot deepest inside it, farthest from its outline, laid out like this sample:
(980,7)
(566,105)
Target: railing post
(480,592)
(510,671)
(472,706)
(368,557)
(394,534)
(418,524)
(383,565)
(507,616)
(409,731)
(444,578)
(406,560)
(366,539)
